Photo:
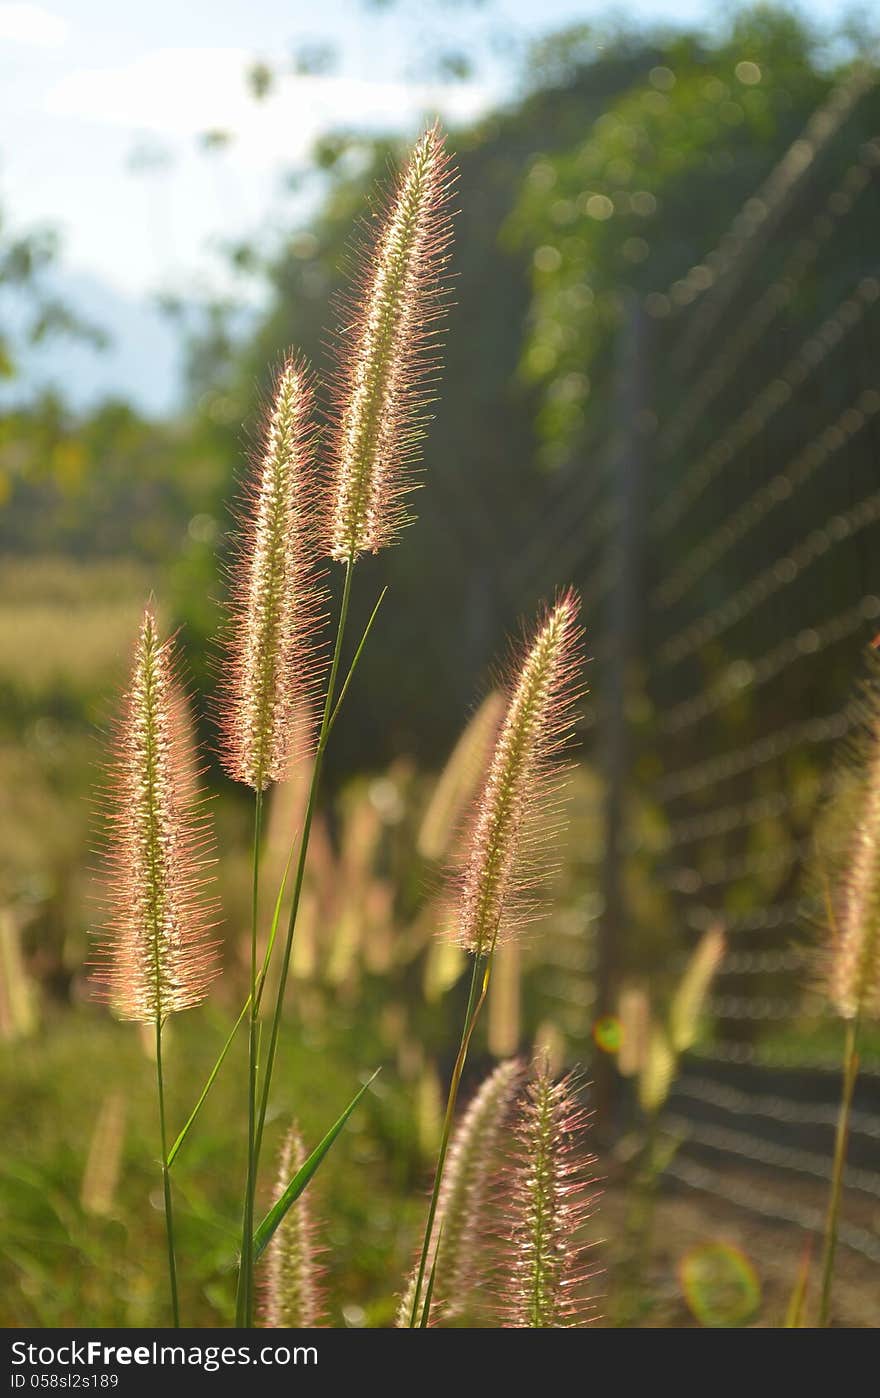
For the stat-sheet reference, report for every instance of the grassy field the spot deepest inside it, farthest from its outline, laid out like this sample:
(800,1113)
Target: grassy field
(81,1248)
(80,1193)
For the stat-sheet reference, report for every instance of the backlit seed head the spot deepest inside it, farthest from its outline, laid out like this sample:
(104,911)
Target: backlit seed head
(272,666)
(548,1194)
(293,1292)
(155,955)
(513,819)
(847,866)
(388,354)
(464,1195)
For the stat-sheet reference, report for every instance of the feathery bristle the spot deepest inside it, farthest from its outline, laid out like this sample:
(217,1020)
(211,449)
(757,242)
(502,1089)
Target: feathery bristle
(155,956)
(511,816)
(292,1293)
(548,1195)
(388,354)
(267,713)
(849,858)
(405,1301)
(462,1206)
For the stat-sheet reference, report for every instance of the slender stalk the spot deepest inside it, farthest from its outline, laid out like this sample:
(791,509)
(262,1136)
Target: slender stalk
(301,862)
(219,1061)
(244,1309)
(166,1181)
(850,1072)
(474,1005)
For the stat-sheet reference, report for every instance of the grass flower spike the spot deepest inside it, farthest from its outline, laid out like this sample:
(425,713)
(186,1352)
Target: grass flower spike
(850,861)
(510,817)
(268,702)
(848,857)
(388,355)
(292,1296)
(268,708)
(548,1196)
(461,1211)
(499,870)
(156,956)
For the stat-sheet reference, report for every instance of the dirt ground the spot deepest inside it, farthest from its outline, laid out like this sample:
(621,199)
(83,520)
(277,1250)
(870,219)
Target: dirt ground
(686,1218)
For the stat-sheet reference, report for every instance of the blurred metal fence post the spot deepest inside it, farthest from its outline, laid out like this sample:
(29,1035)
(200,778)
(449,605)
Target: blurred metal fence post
(630,427)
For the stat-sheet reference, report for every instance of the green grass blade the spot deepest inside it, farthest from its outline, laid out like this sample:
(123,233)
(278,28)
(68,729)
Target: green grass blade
(265,1230)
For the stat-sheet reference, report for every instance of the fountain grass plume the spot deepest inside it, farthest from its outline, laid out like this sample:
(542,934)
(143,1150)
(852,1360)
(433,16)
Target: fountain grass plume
(155,956)
(386,358)
(388,355)
(513,819)
(272,672)
(848,863)
(548,1193)
(292,1293)
(269,697)
(511,824)
(460,1223)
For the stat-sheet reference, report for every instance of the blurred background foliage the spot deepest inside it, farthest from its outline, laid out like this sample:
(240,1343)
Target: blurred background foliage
(624,157)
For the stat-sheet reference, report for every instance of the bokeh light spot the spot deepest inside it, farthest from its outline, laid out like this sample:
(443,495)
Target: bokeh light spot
(748,73)
(719,1284)
(606,1034)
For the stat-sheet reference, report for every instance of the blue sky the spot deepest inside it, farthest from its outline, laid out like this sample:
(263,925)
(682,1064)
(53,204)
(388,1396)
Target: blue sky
(102,104)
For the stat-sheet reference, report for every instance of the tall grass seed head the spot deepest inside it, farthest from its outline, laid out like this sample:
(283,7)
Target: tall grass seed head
(388,355)
(464,1195)
(292,1292)
(155,956)
(513,820)
(548,1194)
(847,865)
(273,666)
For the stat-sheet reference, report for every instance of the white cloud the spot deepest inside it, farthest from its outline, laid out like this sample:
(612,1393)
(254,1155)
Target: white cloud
(181,92)
(31,24)
(145,229)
